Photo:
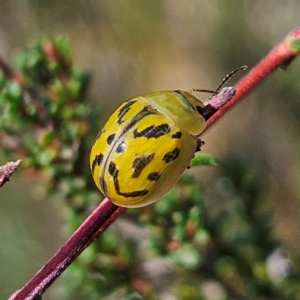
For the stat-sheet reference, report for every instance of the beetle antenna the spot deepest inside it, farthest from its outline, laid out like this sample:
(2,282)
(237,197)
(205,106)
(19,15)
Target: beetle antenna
(203,91)
(224,80)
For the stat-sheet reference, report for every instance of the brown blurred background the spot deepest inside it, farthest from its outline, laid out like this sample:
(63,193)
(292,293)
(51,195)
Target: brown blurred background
(135,47)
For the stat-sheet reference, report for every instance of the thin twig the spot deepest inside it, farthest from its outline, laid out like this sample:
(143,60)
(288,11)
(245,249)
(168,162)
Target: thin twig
(101,217)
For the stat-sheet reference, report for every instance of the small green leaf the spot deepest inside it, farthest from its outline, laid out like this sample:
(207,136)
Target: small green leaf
(296,45)
(203,160)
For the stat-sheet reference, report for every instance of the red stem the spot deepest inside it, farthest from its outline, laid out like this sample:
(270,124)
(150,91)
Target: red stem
(107,212)
(93,226)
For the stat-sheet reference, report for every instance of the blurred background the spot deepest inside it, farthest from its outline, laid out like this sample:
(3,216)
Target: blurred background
(135,47)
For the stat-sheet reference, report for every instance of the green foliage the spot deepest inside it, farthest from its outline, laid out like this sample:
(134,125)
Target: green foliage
(195,243)
(44,113)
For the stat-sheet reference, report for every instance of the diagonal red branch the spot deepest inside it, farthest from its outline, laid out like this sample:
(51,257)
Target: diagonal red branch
(93,226)
(107,212)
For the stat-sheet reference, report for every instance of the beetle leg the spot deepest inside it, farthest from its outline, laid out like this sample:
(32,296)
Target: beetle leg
(199,144)
(198,148)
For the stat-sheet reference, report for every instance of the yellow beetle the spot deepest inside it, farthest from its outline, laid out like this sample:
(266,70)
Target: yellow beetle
(147,144)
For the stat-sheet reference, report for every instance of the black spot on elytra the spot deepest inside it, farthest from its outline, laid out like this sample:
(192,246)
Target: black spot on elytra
(140,163)
(110,138)
(124,110)
(153,176)
(152,131)
(97,161)
(135,193)
(146,111)
(114,172)
(172,155)
(177,135)
(121,147)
